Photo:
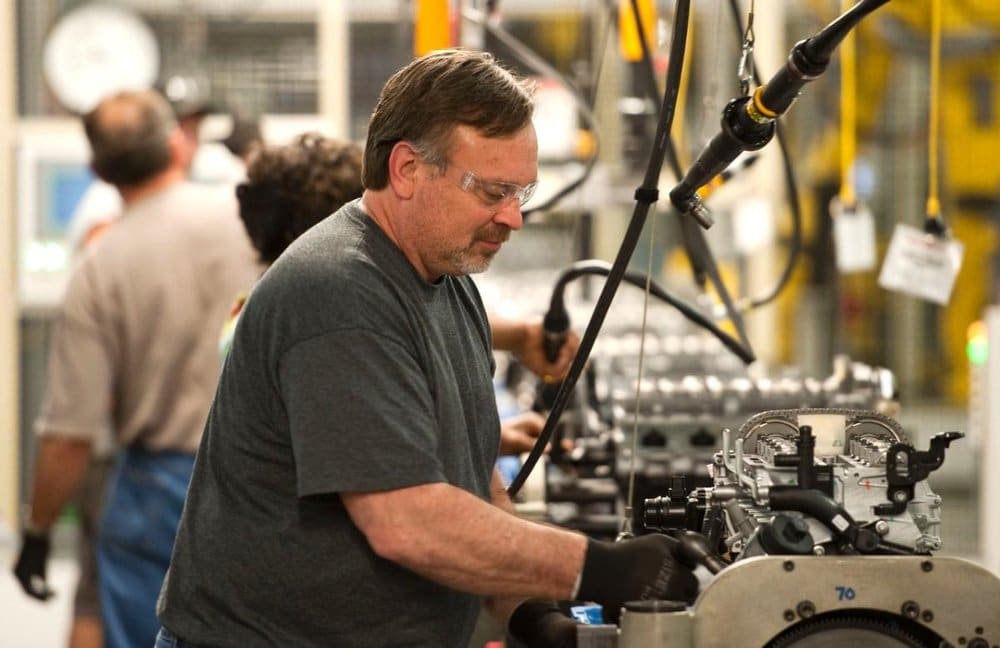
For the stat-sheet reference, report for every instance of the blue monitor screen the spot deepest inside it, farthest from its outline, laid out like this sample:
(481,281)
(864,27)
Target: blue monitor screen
(61,187)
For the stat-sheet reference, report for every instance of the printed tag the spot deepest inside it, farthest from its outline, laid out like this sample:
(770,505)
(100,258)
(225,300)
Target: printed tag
(853,236)
(921,265)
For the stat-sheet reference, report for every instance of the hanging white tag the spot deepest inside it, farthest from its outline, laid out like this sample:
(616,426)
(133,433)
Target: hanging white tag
(853,236)
(753,225)
(921,265)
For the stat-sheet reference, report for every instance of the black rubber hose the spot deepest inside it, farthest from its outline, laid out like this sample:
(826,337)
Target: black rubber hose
(646,194)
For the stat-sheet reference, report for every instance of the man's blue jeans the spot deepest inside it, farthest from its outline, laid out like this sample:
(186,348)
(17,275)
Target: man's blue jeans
(135,540)
(166,639)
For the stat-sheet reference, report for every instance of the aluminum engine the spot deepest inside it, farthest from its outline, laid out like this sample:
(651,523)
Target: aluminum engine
(813,481)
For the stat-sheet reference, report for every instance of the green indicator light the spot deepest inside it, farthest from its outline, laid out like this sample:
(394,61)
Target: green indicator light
(977,350)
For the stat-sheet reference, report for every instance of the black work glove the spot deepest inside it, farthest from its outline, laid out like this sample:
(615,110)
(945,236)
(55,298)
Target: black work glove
(541,624)
(644,568)
(30,567)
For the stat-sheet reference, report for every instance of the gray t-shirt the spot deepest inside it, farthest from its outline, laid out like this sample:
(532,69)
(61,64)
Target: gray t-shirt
(348,373)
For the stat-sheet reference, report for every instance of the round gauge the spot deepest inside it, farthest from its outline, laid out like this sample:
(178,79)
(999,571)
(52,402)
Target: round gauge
(96,50)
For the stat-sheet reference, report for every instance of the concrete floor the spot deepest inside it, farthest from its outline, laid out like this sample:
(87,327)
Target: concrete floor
(25,622)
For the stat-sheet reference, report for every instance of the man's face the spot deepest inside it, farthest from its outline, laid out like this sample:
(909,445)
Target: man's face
(463,214)
(190,126)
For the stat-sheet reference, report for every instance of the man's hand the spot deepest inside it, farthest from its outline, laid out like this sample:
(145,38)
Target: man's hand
(525,339)
(519,433)
(531,353)
(30,567)
(541,624)
(649,567)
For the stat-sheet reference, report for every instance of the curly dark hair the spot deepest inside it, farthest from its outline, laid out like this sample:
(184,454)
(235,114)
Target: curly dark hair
(291,188)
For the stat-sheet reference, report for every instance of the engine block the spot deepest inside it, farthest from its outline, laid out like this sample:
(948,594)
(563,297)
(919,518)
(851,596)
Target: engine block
(814,481)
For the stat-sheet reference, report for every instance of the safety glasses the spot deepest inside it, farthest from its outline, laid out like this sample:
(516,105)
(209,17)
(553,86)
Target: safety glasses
(494,193)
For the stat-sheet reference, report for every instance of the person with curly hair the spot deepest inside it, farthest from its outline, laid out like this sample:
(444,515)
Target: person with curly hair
(289,189)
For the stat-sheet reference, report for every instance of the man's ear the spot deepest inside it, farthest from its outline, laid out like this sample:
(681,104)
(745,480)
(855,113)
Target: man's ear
(181,149)
(403,167)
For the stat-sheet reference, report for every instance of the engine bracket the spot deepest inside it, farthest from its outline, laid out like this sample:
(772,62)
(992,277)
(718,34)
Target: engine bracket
(905,466)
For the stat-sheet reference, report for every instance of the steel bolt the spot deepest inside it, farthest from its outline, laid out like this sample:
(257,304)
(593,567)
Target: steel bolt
(927,566)
(806,609)
(927,616)
(911,610)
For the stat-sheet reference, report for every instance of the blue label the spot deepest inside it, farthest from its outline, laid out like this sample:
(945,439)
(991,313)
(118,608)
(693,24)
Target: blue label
(590,614)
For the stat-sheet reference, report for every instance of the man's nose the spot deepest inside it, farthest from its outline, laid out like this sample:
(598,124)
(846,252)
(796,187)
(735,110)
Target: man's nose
(510,215)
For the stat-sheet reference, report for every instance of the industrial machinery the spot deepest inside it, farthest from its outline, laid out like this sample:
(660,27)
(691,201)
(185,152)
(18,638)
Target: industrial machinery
(814,481)
(649,438)
(814,602)
(818,528)
(677,413)
(815,519)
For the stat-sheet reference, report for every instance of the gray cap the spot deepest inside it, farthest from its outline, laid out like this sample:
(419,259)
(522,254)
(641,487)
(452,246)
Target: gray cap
(189,96)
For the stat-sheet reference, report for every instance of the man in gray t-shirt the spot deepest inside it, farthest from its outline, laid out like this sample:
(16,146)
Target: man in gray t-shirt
(345,492)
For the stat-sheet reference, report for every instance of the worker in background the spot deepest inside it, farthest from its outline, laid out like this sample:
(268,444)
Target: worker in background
(345,492)
(244,138)
(208,162)
(134,344)
(290,188)
(190,99)
(101,203)
(100,206)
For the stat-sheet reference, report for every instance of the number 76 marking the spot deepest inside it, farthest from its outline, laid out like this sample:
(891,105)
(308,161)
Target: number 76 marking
(845,593)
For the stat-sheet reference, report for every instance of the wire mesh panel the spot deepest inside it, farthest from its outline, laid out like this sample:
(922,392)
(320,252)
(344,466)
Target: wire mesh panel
(252,56)
(253,65)
(379,46)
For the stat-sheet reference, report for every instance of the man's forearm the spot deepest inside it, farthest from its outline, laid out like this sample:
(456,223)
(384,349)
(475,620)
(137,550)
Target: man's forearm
(501,607)
(525,339)
(508,335)
(454,538)
(498,493)
(59,469)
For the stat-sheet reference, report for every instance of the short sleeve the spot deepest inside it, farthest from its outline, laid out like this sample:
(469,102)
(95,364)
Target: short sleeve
(360,414)
(77,401)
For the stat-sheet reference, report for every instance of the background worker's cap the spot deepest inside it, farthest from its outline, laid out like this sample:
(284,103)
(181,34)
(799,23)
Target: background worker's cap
(244,135)
(189,96)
